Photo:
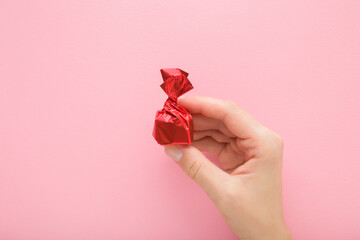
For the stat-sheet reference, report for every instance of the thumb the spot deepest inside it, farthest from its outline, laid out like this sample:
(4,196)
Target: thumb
(197,167)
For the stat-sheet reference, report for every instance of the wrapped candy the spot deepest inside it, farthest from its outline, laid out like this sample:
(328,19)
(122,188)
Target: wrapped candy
(173,124)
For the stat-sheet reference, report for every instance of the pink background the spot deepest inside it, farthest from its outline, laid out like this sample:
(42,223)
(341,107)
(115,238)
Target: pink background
(79,88)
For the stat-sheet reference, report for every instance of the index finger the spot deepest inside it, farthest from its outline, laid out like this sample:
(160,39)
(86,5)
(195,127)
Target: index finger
(238,121)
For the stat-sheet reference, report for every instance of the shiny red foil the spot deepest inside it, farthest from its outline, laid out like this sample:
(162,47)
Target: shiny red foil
(173,124)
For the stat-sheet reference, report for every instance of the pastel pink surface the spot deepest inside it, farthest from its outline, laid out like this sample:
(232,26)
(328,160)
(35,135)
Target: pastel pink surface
(79,88)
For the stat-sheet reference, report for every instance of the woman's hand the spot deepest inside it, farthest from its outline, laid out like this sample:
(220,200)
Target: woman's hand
(248,189)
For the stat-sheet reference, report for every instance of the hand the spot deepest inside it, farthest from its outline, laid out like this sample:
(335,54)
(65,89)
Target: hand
(247,190)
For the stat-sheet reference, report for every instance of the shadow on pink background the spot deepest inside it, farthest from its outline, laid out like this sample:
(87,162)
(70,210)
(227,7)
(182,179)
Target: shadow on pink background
(79,88)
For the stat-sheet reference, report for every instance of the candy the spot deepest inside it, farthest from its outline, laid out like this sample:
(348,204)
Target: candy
(173,124)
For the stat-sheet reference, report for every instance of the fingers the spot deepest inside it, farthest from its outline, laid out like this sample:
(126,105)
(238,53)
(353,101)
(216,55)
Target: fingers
(204,123)
(239,122)
(209,145)
(212,141)
(198,167)
(216,135)
(229,158)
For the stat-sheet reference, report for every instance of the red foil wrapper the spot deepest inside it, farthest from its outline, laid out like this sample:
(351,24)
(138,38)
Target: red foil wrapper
(173,124)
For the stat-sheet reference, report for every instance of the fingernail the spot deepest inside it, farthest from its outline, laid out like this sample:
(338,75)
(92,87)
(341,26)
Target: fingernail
(175,152)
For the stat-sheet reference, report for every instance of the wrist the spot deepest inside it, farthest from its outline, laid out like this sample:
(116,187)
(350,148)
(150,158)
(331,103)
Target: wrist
(278,231)
(284,233)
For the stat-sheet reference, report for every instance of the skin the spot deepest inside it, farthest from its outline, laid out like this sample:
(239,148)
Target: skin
(247,190)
